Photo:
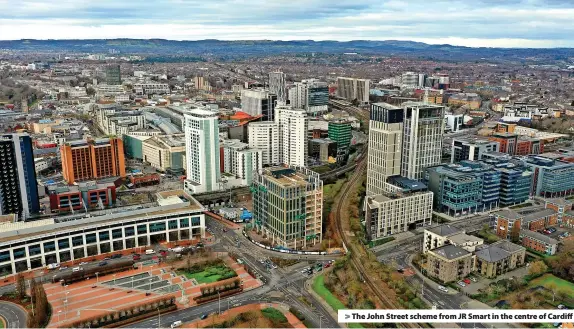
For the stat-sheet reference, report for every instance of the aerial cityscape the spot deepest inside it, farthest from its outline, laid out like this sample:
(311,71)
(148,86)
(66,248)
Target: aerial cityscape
(275,171)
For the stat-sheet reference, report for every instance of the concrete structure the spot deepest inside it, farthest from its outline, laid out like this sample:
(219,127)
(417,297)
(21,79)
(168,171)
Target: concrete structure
(113,74)
(114,120)
(471,100)
(471,148)
(353,89)
(453,122)
(202,151)
(323,149)
(133,145)
(538,242)
(499,258)
(526,111)
(423,130)
(84,196)
(18,186)
(259,102)
(150,88)
(166,153)
(408,206)
(293,126)
(385,138)
(87,160)
(449,263)
(277,86)
(239,161)
(288,206)
(442,235)
(176,216)
(265,136)
(310,95)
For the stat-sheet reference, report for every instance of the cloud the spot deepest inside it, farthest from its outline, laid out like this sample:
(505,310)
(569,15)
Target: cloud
(509,23)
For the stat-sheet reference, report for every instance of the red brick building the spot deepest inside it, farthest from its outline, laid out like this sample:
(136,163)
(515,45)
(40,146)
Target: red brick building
(85,195)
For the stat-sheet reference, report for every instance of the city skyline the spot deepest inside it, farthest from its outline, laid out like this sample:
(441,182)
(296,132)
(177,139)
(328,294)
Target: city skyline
(535,23)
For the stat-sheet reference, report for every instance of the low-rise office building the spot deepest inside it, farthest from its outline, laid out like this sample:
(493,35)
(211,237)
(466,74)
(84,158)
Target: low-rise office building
(175,216)
(439,236)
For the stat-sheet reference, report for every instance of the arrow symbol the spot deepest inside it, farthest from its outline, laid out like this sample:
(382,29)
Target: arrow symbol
(347,316)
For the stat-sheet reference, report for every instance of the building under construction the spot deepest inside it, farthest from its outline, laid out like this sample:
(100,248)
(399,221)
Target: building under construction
(288,206)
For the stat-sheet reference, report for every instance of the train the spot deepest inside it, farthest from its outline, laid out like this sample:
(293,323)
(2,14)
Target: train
(83,274)
(287,251)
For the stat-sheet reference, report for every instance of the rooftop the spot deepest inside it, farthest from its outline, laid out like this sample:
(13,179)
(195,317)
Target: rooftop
(538,215)
(508,214)
(286,176)
(559,201)
(538,236)
(463,238)
(445,230)
(450,252)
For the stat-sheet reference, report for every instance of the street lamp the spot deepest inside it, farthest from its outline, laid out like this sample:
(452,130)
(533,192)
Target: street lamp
(150,280)
(219,301)
(97,277)
(114,279)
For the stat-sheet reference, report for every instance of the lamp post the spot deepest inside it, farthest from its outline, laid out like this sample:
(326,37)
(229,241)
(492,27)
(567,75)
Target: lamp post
(158,318)
(150,280)
(97,277)
(219,301)
(114,280)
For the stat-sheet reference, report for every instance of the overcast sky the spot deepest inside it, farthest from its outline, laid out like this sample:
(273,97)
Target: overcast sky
(489,23)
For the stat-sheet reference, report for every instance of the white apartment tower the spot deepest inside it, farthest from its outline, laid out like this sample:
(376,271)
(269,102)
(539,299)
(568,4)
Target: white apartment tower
(264,135)
(385,138)
(423,130)
(351,89)
(202,151)
(277,85)
(293,126)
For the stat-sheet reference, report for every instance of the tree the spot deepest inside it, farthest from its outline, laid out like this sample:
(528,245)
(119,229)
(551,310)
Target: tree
(515,233)
(537,268)
(90,91)
(553,288)
(20,286)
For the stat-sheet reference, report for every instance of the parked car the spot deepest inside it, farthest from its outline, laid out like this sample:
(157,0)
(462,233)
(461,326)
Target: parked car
(462,284)
(327,265)
(176,324)
(53,266)
(562,307)
(104,263)
(443,288)
(63,268)
(473,279)
(204,316)
(467,281)
(83,263)
(137,257)
(77,269)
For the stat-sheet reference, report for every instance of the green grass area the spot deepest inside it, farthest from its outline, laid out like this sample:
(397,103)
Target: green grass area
(332,300)
(547,279)
(210,274)
(330,190)
(274,315)
(488,236)
(321,169)
(1,323)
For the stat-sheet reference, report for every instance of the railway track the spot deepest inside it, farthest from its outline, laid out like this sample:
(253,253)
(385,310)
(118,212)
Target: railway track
(385,300)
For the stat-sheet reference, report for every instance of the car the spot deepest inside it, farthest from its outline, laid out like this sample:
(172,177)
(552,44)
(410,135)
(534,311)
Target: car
(462,284)
(473,279)
(557,324)
(104,263)
(262,261)
(304,270)
(442,288)
(327,265)
(467,281)
(63,268)
(176,324)
(77,269)
(562,307)
(204,316)
(83,263)
(107,258)
(136,257)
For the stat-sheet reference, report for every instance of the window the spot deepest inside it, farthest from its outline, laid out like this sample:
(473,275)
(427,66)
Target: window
(34,250)
(4,256)
(20,253)
(142,229)
(195,221)
(184,222)
(156,227)
(129,231)
(77,241)
(117,233)
(104,236)
(172,224)
(49,246)
(63,243)
(90,238)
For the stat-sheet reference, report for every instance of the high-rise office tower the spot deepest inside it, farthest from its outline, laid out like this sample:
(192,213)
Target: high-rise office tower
(288,205)
(385,139)
(351,89)
(86,160)
(265,136)
(202,151)
(341,132)
(293,126)
(113,74)
(18,186)
(310,95)
(277,85)
(423,130)
(257,102)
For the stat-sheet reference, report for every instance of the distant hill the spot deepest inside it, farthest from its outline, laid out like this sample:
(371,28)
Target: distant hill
(242,48)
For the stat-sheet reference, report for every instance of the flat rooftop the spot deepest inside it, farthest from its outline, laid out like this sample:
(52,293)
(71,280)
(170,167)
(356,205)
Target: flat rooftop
(80,221)
(285,176)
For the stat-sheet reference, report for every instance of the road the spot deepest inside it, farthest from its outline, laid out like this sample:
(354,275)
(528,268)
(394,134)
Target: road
(14,315)
(284,286)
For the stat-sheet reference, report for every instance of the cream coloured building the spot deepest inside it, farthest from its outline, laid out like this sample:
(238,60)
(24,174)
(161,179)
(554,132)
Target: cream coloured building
(165,152)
